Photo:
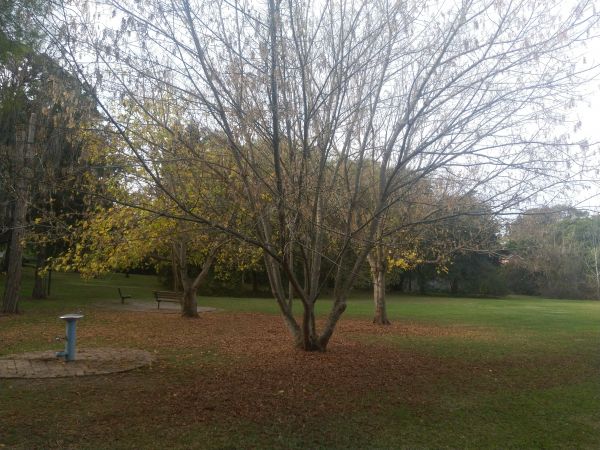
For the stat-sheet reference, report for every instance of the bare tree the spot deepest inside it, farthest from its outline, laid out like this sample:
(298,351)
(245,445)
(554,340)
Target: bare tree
(324,105)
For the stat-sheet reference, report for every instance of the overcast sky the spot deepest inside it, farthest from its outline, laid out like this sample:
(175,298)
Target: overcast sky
(588,112)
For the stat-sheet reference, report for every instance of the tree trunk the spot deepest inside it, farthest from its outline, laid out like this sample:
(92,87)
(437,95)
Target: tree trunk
(189,307)
(454,286)
(10,301)
(49,284)
(254,283)
(422,282)
(39,282)
(175,272)
(597,271)
(6,258)
(310,340)
(378,266)
(379,298)
(339,306)
(189,304)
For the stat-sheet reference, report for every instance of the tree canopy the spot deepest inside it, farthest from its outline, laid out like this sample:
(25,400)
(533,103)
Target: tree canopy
(327,118)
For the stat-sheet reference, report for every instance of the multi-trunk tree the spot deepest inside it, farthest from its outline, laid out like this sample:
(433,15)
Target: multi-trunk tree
(308,99)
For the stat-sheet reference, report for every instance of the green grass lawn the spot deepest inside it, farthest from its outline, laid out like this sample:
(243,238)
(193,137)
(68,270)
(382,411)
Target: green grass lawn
(449,373)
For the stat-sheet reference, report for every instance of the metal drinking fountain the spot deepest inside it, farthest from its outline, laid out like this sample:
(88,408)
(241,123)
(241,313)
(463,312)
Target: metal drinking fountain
(70,351)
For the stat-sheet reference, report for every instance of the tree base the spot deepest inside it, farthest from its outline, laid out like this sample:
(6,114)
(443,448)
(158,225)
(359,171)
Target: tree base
(310,347)
(381,321)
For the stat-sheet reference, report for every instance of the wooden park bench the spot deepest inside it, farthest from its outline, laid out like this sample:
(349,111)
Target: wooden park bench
(167,296)
(123,297)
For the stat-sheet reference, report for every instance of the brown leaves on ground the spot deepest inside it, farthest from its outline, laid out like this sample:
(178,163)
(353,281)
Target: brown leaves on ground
(242,365)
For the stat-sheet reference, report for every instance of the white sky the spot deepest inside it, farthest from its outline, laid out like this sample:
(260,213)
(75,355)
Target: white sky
(588,111)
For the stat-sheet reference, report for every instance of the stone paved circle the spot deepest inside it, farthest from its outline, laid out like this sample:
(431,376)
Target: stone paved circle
(94,361)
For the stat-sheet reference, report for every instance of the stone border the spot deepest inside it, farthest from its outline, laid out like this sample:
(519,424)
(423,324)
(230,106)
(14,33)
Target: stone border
(95,361)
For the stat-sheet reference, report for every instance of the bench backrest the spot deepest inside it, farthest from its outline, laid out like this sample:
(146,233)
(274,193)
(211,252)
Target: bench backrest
(168,295)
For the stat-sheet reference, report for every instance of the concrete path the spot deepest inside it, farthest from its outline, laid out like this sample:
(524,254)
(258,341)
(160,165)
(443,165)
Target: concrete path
(149,306)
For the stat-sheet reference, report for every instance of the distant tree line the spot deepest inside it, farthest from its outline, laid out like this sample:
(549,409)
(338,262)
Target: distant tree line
(550,251)
(554,252)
